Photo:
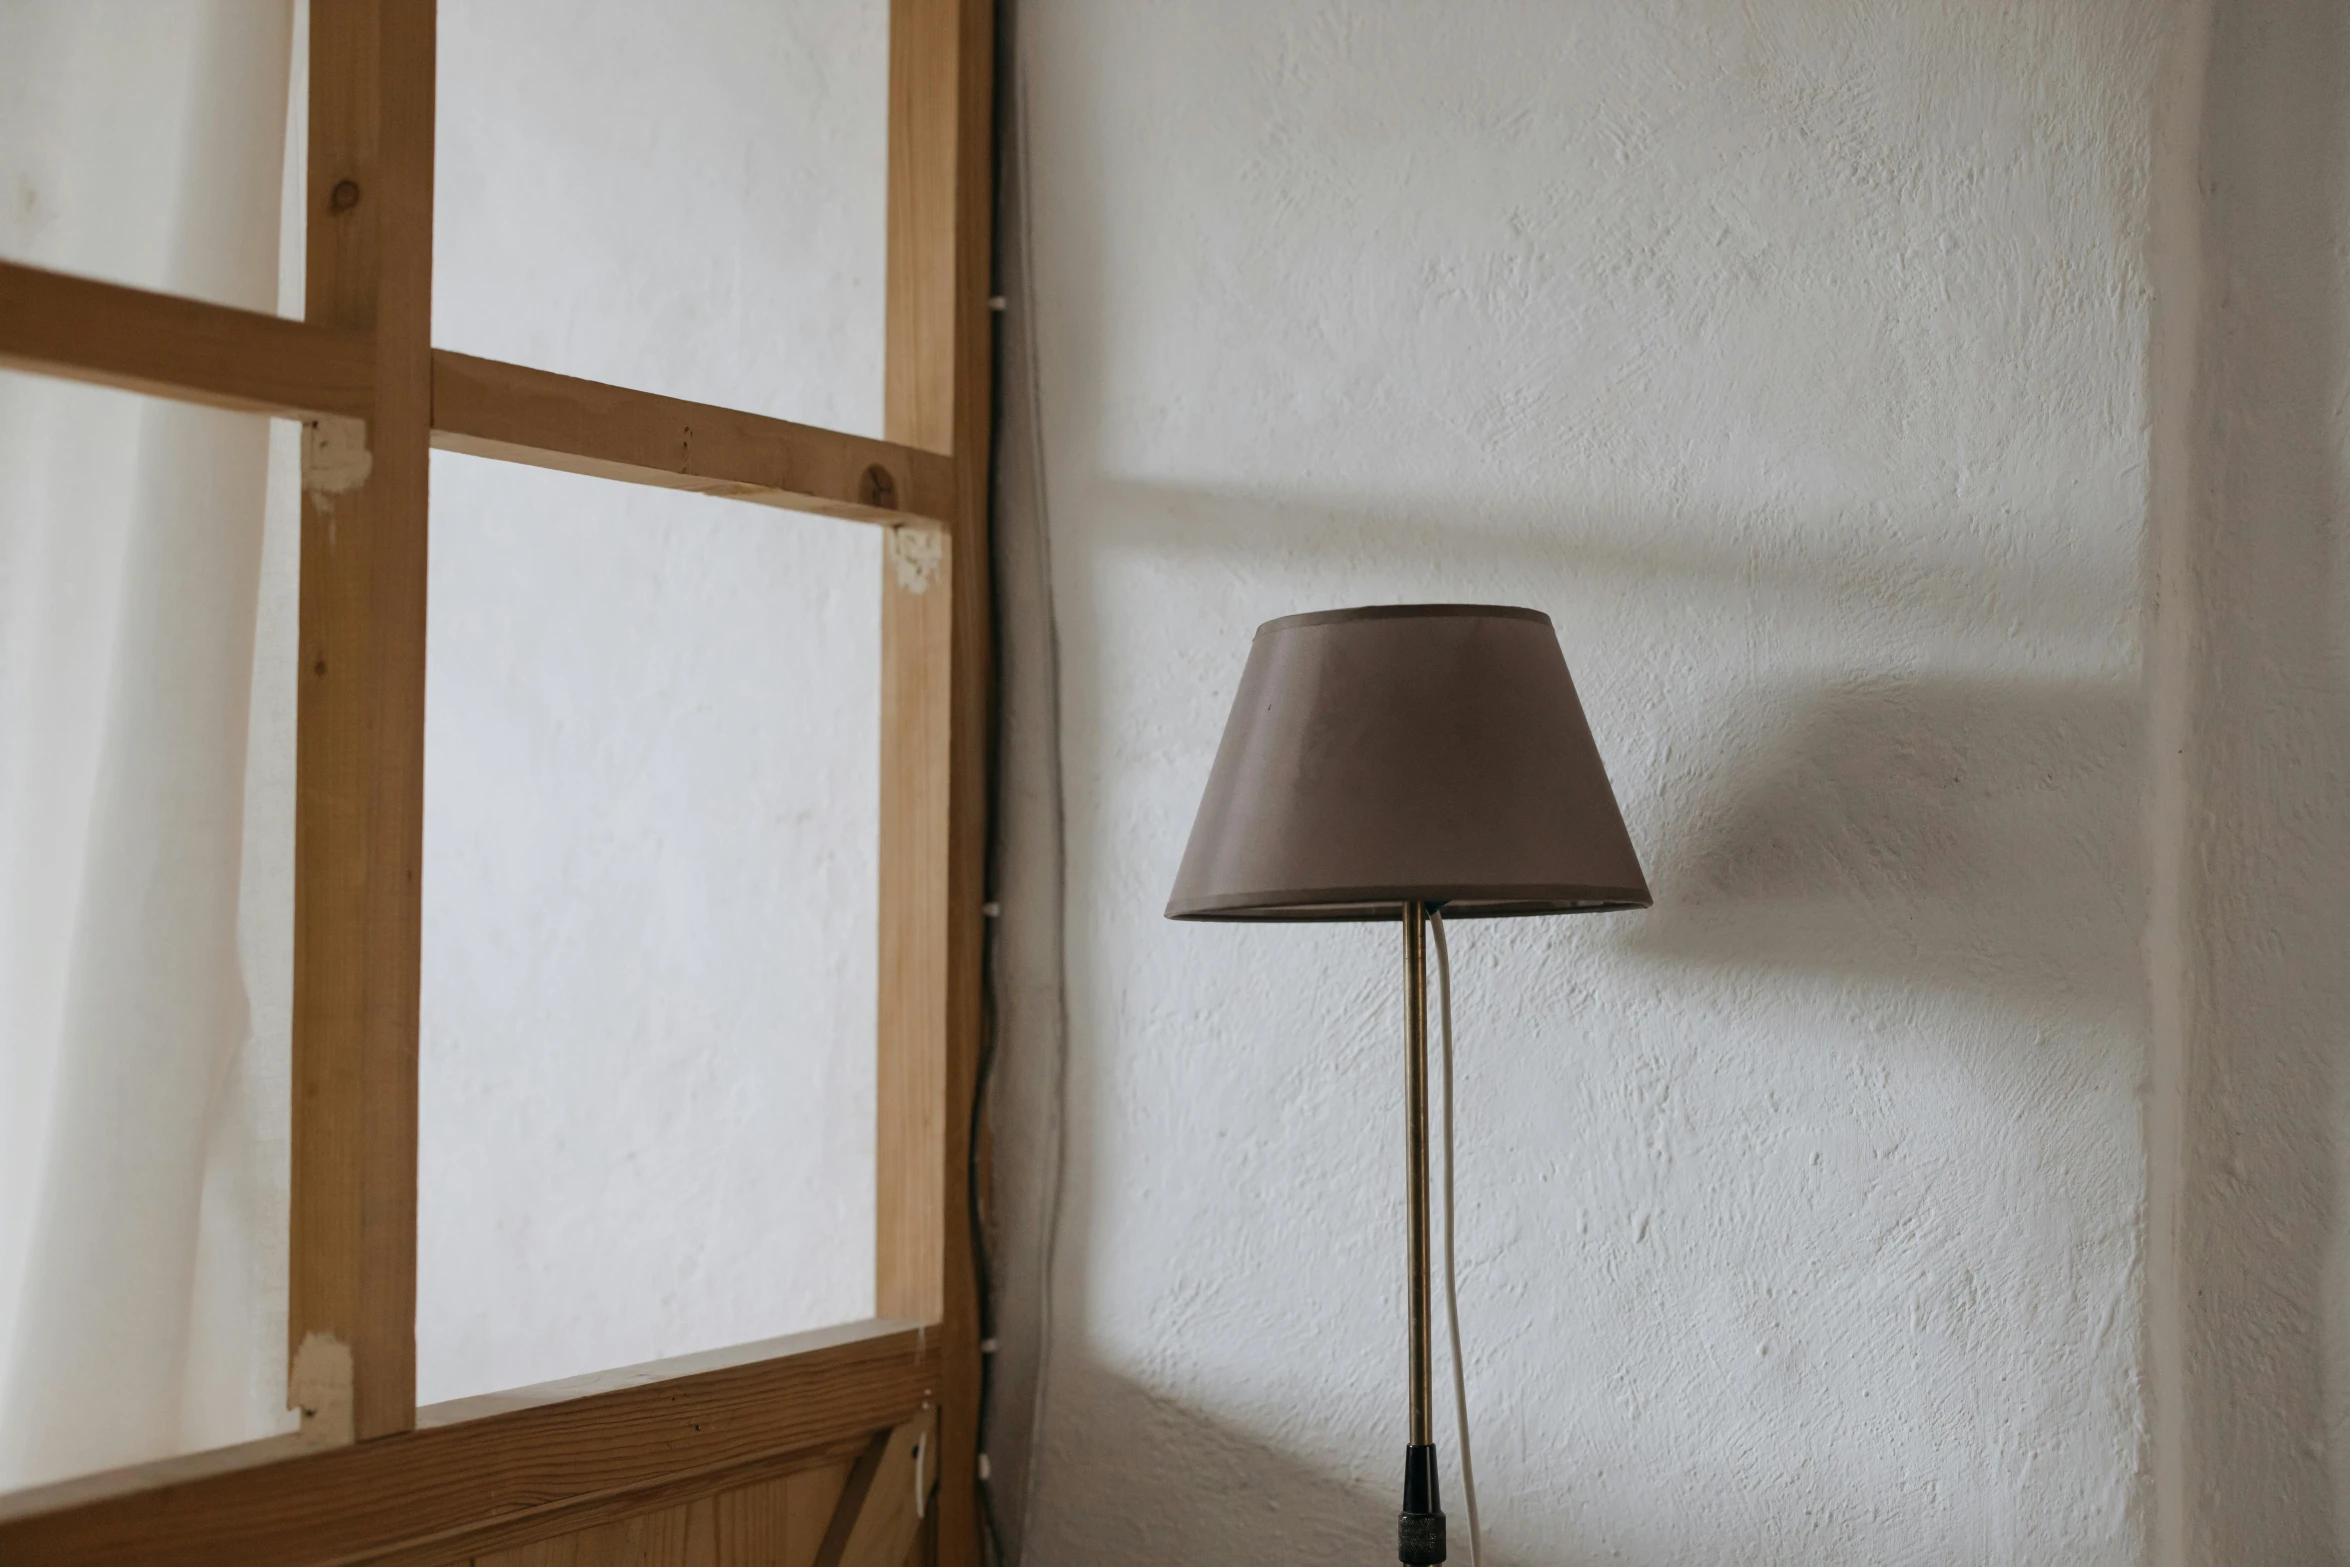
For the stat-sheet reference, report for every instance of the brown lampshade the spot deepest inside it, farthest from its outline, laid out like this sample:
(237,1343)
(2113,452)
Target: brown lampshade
(1430,753)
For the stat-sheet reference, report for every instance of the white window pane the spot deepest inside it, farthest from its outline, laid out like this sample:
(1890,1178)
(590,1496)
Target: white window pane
(651,815)
(686,198)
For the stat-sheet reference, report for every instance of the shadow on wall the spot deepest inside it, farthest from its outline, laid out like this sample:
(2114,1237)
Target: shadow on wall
(1962,834)
(1213,1491)
(1202,1490)
(1670,571)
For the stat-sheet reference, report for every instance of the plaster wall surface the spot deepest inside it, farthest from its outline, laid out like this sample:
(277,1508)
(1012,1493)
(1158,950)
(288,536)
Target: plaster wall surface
(1795,360)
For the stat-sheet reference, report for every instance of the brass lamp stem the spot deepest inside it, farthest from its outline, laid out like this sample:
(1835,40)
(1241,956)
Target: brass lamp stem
(1421,1524)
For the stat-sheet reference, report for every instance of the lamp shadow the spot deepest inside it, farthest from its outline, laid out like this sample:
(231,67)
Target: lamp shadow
(1973,836)
(1206,1491)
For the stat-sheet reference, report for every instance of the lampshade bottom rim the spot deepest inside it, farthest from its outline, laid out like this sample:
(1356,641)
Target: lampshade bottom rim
(1364,904)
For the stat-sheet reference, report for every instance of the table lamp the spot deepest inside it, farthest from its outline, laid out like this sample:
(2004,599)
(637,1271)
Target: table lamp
(1407,762)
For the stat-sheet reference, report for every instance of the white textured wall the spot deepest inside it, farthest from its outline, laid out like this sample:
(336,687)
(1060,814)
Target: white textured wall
(1793,357)
(653,719)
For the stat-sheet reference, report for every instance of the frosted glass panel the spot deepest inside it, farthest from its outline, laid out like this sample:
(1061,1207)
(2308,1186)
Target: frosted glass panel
(686,198)
(652,752)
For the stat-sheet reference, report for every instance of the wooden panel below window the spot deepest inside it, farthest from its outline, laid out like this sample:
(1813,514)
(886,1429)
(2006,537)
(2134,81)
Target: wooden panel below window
(773,1523)
(491,1474)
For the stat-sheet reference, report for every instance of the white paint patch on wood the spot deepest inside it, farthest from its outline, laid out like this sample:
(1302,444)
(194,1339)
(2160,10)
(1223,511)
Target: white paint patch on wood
(320,1387)
(335,456)
(915,556)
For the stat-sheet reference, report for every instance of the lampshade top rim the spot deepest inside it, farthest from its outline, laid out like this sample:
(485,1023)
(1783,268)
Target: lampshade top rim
(1325,617)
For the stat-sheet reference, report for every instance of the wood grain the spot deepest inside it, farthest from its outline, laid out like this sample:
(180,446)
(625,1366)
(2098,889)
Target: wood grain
(777,1522)
(936,682)
(489,409)
(879,1519)
(684,1536)
(359,742)
(749,1497)
(185,349)
(543,1465)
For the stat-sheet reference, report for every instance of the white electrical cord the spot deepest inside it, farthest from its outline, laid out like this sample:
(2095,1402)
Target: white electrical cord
(1452,1271)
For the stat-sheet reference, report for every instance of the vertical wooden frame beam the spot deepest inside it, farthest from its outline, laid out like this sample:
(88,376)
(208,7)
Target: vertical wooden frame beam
(935,691)
(359,789)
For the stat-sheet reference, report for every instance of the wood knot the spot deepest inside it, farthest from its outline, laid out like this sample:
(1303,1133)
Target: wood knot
(345,195)
(878,489)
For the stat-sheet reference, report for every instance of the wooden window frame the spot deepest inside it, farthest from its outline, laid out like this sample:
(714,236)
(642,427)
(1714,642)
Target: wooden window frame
(370,1477)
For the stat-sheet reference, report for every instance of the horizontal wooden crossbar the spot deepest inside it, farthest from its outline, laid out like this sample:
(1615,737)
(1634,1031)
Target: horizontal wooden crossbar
(487,1463)
(491,409)
(185,349)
